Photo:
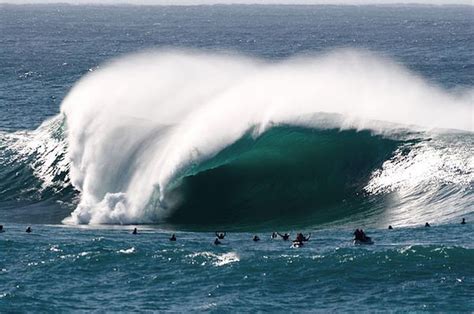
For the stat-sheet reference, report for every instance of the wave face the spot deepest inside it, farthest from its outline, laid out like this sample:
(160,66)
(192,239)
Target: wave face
(286,175)
(202,139)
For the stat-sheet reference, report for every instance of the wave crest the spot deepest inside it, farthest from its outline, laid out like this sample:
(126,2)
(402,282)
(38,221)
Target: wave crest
(137,124)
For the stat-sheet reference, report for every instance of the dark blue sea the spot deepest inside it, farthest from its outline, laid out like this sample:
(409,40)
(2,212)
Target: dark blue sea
(248,119)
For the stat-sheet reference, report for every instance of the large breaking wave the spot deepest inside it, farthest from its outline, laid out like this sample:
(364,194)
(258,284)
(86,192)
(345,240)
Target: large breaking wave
(199,139)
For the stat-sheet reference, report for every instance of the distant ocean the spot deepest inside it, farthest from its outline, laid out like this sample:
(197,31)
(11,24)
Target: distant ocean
(242,118)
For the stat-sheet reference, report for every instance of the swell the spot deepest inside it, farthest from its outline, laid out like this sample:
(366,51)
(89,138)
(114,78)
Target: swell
(287,176)
(131,141)
(233,140)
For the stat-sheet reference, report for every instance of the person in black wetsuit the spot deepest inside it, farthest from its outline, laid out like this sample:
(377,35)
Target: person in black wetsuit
(274,235)
(217,242)
(427,225)
(256,238)
(220,235)
(357,235)
(285,236)
(1,229)
(390,227)
(300,238)
(173,237)
(463,222)
(28,230)
(135,231)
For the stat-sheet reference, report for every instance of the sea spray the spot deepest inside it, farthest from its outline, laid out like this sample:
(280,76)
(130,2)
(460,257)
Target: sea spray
(136,123)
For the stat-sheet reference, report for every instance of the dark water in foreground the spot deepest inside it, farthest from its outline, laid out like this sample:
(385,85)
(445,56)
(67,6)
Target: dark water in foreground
(412,269)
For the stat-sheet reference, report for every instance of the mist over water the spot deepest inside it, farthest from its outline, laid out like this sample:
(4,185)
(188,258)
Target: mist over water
(136,126)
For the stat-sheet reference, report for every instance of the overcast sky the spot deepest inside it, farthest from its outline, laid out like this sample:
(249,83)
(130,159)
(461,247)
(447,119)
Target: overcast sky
(186,2)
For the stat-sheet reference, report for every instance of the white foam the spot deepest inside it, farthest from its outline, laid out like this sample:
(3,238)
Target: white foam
(217,259)
(46,146)
(127,251)
(135,123)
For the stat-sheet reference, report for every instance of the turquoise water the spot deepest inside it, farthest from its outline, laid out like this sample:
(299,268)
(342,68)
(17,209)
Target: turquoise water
(409,269)
(369,128)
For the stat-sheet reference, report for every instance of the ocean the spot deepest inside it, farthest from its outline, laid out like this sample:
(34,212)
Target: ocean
(249,119)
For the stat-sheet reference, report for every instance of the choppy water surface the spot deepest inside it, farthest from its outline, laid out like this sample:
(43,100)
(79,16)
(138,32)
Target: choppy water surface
(83,269)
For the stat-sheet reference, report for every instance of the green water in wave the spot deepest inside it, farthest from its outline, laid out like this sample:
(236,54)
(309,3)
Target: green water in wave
(286,176)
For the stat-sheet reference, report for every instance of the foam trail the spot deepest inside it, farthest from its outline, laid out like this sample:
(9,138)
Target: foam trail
(133,125)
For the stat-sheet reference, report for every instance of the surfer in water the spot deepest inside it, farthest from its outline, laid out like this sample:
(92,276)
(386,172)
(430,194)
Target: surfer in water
(217,242)
(463,222)
(285,236)
(274,235)
(300,238)
(360,237)
(427,225)
(173,237)
(256,238)
(28,230)
(390,227)
(220,235)
(1,229)
(135,231)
